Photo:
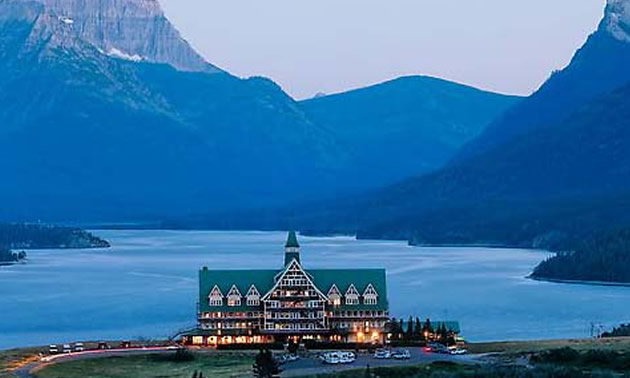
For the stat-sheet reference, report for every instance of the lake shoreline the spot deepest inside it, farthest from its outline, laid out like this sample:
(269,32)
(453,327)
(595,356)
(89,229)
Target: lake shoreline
(579,282)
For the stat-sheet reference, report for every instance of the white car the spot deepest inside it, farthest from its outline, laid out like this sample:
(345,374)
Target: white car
(458,352)
(402,354)
(292,357)
(79,347)
(67,348)
(382,354)
(347,357)
(53,349)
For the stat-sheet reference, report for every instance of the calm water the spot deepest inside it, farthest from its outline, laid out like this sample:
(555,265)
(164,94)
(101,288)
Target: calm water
(146,286)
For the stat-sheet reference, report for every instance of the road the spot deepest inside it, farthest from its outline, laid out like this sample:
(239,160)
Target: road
(304,366)
(27,371)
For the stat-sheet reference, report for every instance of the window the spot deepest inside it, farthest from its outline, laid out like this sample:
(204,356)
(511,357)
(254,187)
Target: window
(370,296)
(253,296)
(352,296)
(215,297)
(334,296)
(370,301)
(216,302)
(234,297)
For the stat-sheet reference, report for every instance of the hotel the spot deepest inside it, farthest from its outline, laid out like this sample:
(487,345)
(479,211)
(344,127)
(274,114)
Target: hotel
(292,303)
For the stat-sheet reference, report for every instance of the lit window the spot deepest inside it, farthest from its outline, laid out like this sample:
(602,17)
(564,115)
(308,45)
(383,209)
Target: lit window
(370,296)
(215,297)
(352,296)
(234,297)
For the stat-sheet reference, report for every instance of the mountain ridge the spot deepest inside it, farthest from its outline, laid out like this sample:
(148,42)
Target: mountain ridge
(602,59)
(134,30)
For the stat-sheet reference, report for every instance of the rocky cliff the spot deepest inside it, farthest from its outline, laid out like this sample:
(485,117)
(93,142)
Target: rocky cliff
(134,30)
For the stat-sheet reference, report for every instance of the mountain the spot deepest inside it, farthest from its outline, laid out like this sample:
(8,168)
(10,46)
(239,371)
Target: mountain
(600,66)
(129,29)
(107,114)
(407,126)
(569,178)
(541,187)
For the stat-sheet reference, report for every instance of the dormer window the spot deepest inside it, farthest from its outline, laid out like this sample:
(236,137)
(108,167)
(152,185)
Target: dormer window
(370,296)
(216,297)
(334,296)
(352,296)
(234,297)
(253,296)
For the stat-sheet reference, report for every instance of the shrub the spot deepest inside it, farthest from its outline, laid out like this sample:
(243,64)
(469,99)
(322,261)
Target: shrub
(180,355)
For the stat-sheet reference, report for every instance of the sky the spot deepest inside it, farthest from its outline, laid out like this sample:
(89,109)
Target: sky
(330,46)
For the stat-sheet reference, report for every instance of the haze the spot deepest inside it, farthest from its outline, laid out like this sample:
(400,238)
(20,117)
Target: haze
(331,45)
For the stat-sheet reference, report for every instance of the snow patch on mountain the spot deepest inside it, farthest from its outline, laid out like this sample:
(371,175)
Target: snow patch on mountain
(114,52)
(66,20)
(134,30)
(617,19)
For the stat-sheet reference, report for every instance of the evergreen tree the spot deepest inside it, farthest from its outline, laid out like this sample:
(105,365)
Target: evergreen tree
(418,330)
(409,333)
(428,328)
(443,333)
(265,366)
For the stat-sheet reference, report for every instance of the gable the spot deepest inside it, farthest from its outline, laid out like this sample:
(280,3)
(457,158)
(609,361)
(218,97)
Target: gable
(224,280)
(361,279)
(265,280)
(294,272)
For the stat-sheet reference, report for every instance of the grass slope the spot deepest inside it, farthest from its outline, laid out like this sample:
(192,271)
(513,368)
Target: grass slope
(148,366)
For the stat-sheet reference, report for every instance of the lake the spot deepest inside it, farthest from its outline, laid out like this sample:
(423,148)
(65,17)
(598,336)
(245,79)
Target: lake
(146,286)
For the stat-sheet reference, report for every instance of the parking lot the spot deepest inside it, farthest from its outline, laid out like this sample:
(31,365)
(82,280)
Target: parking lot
(313,365)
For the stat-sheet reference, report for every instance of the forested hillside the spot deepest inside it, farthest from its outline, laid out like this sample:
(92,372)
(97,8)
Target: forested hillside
(605,257)
(39,236)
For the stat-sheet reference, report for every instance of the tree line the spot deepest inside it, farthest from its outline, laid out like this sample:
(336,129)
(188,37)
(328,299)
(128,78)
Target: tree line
(601,257)
(416,331)
(8,256)
(27,235)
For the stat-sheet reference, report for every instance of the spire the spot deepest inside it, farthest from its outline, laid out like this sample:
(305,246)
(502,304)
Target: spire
(292,241)
(291,249)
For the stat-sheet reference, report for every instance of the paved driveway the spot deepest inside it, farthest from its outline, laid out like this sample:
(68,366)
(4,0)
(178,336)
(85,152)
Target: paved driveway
(312,365)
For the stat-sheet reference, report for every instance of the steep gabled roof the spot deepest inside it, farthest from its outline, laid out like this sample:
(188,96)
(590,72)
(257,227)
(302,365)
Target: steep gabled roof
(360,278)
(264,281)
(224,279)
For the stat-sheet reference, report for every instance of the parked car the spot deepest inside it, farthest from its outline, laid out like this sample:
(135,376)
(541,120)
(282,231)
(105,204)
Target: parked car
(125,344)
(458,351)
(401,354)
(103,345)
(331,359)
(338,357)
(292,357)
(347,357)
(437,348)
(53,349)
(67,348)
(79,347)
(382,354)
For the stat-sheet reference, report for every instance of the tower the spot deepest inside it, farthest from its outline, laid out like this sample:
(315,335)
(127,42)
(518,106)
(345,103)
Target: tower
(291,249)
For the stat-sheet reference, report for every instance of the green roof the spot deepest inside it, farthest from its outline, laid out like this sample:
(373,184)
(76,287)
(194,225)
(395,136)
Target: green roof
(264,281)
(292,241)
(224,279)
(360,278)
